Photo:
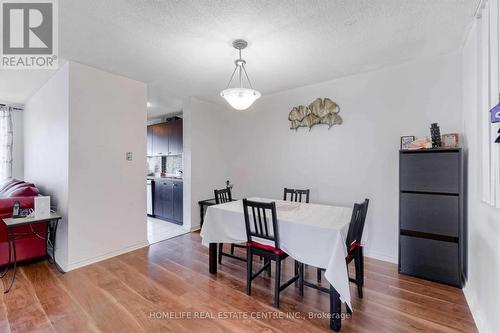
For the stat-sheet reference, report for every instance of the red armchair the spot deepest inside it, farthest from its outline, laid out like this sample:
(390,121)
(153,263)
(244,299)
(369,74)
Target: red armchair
(30,247)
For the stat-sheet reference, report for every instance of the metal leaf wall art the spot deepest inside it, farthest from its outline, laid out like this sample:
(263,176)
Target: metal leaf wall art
(321,111)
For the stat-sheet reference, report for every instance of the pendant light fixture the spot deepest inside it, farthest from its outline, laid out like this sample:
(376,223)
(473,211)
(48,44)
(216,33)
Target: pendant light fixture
(240,98)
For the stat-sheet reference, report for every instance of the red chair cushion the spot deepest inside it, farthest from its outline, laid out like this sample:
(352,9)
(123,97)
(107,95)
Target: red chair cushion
(265,247)
(354,246)
(351,249)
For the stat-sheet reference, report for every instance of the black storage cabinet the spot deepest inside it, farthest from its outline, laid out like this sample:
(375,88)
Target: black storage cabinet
(432,229)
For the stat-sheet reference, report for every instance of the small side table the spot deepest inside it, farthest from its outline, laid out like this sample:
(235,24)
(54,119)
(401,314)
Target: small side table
(50,240)
(203,206)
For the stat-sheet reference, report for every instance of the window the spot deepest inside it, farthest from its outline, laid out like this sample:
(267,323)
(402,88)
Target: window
(489,88)
(5,142)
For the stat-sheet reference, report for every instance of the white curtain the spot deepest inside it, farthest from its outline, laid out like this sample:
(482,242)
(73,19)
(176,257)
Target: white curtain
(5,142)
(488,50)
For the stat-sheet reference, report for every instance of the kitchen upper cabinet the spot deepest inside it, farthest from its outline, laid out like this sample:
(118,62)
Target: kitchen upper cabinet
(160,138)
(165,138)
(175,137)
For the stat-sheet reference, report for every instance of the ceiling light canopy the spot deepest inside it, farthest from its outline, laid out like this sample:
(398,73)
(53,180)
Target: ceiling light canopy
(240,98)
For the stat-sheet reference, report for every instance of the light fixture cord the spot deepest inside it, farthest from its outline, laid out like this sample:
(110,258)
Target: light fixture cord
(241,78)
(232,75)
(240,67)
(248,79)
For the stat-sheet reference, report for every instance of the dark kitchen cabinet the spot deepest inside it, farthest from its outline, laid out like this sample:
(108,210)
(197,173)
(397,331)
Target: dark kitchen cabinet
(160,139)
(175,137)
(163,199)
(432,226)
(177,201)
(165,138)
(167,200)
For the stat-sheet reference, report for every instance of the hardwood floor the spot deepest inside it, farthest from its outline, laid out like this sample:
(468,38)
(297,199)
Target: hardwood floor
(137,291)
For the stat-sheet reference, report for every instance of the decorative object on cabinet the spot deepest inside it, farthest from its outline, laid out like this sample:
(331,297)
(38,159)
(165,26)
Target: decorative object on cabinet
(450,140)
(435,135)
(321,111)
(432,226)
(421,143)
(406,141)
(240,98)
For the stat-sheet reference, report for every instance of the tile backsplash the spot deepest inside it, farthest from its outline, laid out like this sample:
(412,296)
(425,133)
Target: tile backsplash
(164,164)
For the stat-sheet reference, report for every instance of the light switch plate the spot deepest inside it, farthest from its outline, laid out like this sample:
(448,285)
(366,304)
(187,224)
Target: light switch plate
(129,156)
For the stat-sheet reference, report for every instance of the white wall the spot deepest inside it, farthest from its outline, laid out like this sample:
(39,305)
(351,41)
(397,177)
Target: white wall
(78,128)
(204,153)
(107,193)
(18,145)
(483,286)
(46,148)
(342,165)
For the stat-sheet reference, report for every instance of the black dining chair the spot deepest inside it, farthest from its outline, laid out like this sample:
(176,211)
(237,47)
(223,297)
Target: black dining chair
(261,224)
(354,247)
(223,196)
(295,195)
(290,194)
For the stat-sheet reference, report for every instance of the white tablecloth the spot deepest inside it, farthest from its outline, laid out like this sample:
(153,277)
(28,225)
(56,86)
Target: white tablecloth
(311,233)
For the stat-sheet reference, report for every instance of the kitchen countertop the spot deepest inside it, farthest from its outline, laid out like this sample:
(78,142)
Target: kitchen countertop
(163,178)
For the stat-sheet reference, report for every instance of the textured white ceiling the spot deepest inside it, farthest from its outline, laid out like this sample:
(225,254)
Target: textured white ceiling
(183,48)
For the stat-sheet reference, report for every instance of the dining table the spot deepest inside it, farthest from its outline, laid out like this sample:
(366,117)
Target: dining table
(313,234)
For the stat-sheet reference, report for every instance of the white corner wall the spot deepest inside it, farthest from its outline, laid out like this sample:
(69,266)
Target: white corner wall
(483,285)
(78,128)
(46,148)
(107,193)
(205,157)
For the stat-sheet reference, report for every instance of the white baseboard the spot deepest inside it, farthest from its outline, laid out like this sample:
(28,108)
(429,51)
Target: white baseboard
(193,228)
(481,323)
(85,262)
(380,256)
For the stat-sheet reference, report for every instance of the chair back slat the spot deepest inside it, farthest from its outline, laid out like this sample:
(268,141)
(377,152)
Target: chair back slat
(256,226)
(264,227)
(357,223)
(295,195)
(223,196)
(265,222)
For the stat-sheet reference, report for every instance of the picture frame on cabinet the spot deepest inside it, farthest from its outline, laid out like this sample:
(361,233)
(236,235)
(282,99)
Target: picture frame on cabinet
(406,140)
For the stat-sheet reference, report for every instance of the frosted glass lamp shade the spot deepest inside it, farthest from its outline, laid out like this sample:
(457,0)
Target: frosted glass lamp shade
(240,98)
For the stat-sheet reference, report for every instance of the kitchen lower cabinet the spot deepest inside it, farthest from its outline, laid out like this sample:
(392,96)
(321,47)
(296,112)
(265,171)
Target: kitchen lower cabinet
(167,200)
(177,201)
